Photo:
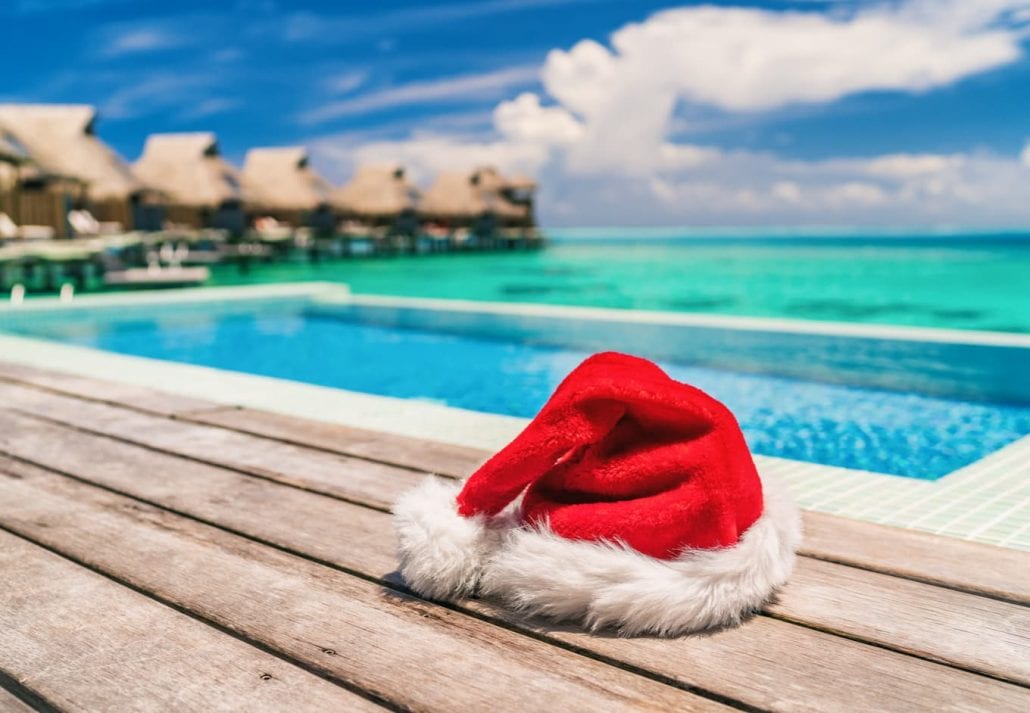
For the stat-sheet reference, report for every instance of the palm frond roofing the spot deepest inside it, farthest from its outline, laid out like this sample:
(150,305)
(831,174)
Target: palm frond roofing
(60,139)
(189,169)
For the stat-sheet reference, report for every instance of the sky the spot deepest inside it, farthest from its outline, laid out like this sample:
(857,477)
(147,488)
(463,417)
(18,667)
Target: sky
(628,112)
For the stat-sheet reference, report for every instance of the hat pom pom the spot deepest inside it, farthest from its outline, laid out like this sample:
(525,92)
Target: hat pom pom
(441,552)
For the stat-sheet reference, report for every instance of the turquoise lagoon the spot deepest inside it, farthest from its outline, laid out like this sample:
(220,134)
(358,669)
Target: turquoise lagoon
(955,280)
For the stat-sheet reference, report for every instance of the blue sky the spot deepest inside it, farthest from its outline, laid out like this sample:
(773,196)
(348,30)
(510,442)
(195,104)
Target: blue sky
(900,111)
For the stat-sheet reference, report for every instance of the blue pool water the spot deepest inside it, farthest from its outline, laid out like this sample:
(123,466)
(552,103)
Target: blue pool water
(887,432)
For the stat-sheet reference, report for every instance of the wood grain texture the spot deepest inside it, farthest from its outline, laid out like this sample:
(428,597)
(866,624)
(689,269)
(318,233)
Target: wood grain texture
(440,458)
(970,566)
(766,663)
(342,476)
(412,653)
(976,633)
(861,608)
(776,666)
(105,391)
(85,643)
(967,566)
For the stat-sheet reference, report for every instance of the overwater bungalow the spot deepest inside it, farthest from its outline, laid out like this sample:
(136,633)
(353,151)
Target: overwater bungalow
(520,191)
(31,197)
(379,196)
(452,200)
(61,141)
(280,183)
(11,157)
(204,191)
(476,200)
(11,153)
(37,201)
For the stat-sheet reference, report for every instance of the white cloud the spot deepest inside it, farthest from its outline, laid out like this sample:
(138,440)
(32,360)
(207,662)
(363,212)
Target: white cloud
(855,194)
(747,59)
(741,187)
(681,157)
(157,93)
(462,88)
(347,82)
(209,107)
(750,60)
(523,119)
(599,135)
(912,165)
(313,27)
(429,154)
(140,41)
(787,191)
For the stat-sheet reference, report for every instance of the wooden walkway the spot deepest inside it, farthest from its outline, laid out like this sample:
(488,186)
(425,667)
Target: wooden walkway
(161,553)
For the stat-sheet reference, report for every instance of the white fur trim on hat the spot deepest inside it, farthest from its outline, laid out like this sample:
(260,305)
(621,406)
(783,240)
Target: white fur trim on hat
(611,585)
(441,552)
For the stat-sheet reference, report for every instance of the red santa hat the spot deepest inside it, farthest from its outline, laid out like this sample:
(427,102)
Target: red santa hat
(630,501)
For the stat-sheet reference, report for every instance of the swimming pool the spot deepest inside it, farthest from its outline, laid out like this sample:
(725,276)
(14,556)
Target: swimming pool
(342,346)
(957,281)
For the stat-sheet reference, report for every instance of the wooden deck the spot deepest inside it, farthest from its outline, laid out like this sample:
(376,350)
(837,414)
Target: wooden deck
(161,553)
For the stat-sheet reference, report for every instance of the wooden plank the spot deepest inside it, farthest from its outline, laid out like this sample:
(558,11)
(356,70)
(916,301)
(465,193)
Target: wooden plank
(857,610)
(104,391)
(413,653)
(440,458)
(977,633)
(314,525)
(433,456)
(969,566)
(961,565)
(9,703)
(799,669)
(341,476)
(85,643)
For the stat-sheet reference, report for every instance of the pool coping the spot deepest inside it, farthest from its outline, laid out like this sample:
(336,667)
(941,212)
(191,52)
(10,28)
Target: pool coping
(986,501)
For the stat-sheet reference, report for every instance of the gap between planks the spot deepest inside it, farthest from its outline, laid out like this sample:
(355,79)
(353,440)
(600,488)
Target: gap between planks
(16,698)
(301,517)
(341,625)
(863,628)
(78,641)
(965,566)
(49,506)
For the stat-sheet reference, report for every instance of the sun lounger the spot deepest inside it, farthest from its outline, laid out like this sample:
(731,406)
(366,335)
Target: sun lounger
(84,224)
(270,230)
(157,277)
(9,230)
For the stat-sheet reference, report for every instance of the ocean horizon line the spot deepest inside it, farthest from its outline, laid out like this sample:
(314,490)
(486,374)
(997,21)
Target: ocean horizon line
(673,232)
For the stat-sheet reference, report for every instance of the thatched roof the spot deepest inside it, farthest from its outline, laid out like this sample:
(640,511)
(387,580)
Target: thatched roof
(461,194)
(10,152)
(520,182)
(190,169)
(452,195)
(282,178)
(61,140)
(377,190)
